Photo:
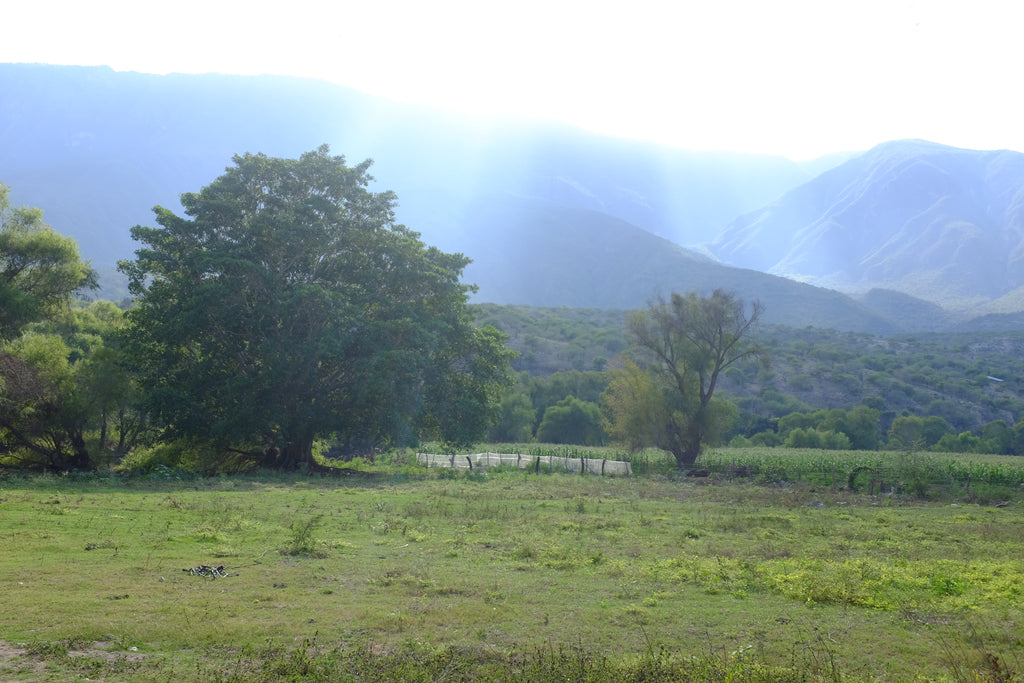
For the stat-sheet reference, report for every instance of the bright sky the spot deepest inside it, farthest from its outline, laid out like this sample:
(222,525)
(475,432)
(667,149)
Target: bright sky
(798,78)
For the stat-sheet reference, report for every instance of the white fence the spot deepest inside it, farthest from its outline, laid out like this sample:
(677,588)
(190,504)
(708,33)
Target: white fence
(537,463)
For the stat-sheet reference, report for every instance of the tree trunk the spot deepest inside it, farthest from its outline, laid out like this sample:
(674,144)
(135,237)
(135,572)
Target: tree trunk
(296,455)
(686,457)
(103,431)
(81,460)
(682,442)
(122,432)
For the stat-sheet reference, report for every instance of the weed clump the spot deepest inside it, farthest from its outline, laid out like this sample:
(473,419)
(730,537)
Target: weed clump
(302,540)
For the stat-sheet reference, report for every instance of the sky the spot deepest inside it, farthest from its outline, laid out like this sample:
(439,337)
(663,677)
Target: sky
(797,78)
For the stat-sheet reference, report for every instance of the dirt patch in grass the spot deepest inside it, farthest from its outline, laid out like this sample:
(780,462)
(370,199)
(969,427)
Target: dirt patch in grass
(100,650)
(13,661)
(103,649)
(8,651)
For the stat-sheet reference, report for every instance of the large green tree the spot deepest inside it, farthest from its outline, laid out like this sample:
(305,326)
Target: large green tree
(40,269)
(288,304)
(687,343)
(43,413)
(64,390)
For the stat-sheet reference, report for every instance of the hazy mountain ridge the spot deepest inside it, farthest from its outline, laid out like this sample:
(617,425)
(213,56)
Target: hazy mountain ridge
(940,223)
(910,312)
(551,215)
(67,130)
(583,259)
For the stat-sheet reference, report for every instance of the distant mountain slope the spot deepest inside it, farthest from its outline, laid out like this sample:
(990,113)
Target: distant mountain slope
(551,255)
(551,215)
(909,313)
(97,149)
(939,223)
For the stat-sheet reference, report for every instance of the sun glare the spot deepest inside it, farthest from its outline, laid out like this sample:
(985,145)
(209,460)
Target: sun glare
(797,77)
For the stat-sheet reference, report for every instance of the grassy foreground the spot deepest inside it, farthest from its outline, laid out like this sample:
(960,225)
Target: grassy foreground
(505,576)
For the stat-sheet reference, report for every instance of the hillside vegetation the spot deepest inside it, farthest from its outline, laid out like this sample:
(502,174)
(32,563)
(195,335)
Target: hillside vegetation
(968,379)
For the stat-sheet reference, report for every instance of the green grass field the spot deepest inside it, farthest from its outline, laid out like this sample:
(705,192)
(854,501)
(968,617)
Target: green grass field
(499,575)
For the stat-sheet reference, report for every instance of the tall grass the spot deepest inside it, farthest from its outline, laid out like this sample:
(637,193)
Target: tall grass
(310,661)
(921,474)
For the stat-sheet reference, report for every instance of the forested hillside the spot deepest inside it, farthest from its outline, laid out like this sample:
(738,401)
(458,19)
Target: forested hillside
(967,379)
(550,340)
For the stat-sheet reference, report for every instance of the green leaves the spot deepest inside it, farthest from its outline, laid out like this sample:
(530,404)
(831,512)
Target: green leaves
(42,406)
(39,268)
(289,305)
(688,342)
(572,421)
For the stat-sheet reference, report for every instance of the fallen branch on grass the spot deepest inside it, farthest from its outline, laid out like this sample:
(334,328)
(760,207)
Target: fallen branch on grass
(208,571)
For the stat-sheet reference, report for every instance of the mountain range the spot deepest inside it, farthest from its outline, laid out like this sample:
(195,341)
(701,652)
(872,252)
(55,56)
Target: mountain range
(939,223)
(907,236)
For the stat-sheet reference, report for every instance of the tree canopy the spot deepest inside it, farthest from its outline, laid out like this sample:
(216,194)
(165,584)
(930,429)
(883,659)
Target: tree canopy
(42,412)
(40,269)
(688,341)
(572,421)
(288,304)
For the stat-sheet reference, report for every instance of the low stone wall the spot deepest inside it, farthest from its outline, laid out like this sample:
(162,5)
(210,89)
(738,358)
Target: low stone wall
(538,463)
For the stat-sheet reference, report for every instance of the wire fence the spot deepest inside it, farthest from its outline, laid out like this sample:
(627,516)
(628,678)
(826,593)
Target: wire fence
(536,463)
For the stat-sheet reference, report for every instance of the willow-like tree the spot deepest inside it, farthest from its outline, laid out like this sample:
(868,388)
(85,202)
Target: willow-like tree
(289,304)
(687,343)
(42,412)
(40,269)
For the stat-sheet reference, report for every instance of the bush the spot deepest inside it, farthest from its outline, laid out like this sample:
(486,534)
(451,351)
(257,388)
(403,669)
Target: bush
(816,438)
(572,421)
(142,461)
(964,442)
(766,438)
(180,455)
